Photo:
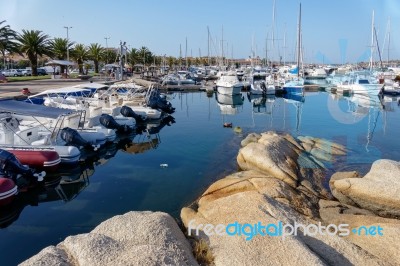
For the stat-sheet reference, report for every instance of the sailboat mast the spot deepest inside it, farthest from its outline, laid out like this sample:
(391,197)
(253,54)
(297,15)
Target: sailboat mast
(299,44)
(273,25)
(208,45)
(372,40)
(266,51)
(222,46)
(180,56)
(379,51)
(186,54)
(388,42)
(284,46)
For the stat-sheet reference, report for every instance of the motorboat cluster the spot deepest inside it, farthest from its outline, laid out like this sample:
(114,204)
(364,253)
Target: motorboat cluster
(62,126)
(267,80)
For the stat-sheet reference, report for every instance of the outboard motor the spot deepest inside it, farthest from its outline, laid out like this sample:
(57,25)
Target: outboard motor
(128,112)
(263,87)
(162,104)
(109,122)
(11,167)
(156,101)
(72,137)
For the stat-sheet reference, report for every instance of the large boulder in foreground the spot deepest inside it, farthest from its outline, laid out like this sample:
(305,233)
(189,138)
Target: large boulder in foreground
(135,238)
(250,197)
(297,162)
(385,245)
(378,191)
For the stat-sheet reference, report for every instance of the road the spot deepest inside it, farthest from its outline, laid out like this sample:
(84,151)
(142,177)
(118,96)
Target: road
(12,89)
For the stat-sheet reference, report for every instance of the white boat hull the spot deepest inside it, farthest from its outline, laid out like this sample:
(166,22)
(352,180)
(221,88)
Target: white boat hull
(232,90)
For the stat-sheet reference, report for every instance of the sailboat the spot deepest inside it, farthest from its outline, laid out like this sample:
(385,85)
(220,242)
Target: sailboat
(296,85)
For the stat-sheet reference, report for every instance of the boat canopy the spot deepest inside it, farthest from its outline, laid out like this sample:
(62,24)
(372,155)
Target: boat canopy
(60,63)
(24,108)
(66,90)
(91,85)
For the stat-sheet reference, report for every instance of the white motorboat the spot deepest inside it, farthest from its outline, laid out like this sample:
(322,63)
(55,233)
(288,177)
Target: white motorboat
(50,121)
(259,84)
(361,82)
(78,99)
(229,84)
(129,95)
(16,136)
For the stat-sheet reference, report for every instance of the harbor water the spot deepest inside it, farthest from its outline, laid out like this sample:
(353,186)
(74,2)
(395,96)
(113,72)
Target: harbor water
(168,170)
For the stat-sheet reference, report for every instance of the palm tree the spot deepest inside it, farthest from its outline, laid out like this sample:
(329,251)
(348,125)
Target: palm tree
(34,43)
(145,55)
(59,47)
(134,57)
(109,55)
(7,41)
(80,54)
(95,53)
(171,61)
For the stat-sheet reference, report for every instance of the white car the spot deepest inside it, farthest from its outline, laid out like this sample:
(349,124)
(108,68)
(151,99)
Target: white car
(26,72)
(12,73)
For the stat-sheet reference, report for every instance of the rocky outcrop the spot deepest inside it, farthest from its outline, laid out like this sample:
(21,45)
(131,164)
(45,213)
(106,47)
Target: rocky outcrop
(283,182)
(250,197)
(378,191)
(297,162)
(135,238)
(384,246)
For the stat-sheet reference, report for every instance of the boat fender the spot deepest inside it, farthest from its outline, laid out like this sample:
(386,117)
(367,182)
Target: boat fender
(128,112)
(72,137)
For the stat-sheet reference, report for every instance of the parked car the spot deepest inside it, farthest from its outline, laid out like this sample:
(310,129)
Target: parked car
(26,72)
(12,73)
(41,72)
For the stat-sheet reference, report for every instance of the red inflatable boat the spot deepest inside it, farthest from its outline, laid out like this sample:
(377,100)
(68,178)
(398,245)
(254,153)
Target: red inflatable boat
(47,160)
(7,190)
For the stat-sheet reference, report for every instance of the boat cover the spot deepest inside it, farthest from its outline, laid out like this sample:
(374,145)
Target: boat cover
(66,90)
(24,108)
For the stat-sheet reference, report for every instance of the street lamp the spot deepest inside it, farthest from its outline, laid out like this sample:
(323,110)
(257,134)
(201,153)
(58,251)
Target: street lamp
(67,27)
(107,38)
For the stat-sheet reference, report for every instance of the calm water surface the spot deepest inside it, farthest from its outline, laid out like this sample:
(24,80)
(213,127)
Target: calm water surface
(198,151)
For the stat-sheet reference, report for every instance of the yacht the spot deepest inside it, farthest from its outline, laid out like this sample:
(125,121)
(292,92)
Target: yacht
(229,84)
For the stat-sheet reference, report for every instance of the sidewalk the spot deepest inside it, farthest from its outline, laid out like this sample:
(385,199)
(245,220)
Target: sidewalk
(13,89)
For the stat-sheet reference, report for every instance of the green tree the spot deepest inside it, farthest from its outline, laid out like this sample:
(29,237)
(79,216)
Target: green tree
(95,53)
(8,42)
(34,43)
(109,55)
(145,55)
(134,57)
(80,54)
(59,47)
(171,61)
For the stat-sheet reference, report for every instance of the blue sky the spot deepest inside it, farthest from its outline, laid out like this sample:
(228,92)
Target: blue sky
(333,31)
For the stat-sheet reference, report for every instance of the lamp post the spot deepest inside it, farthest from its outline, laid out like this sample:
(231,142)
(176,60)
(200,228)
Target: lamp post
(67,27)
(107,38)
(122,51)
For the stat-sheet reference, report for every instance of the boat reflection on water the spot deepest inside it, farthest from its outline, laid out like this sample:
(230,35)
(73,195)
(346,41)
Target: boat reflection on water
(229,104)
(297,100)
(261,104)
(54,189)
(68,182)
